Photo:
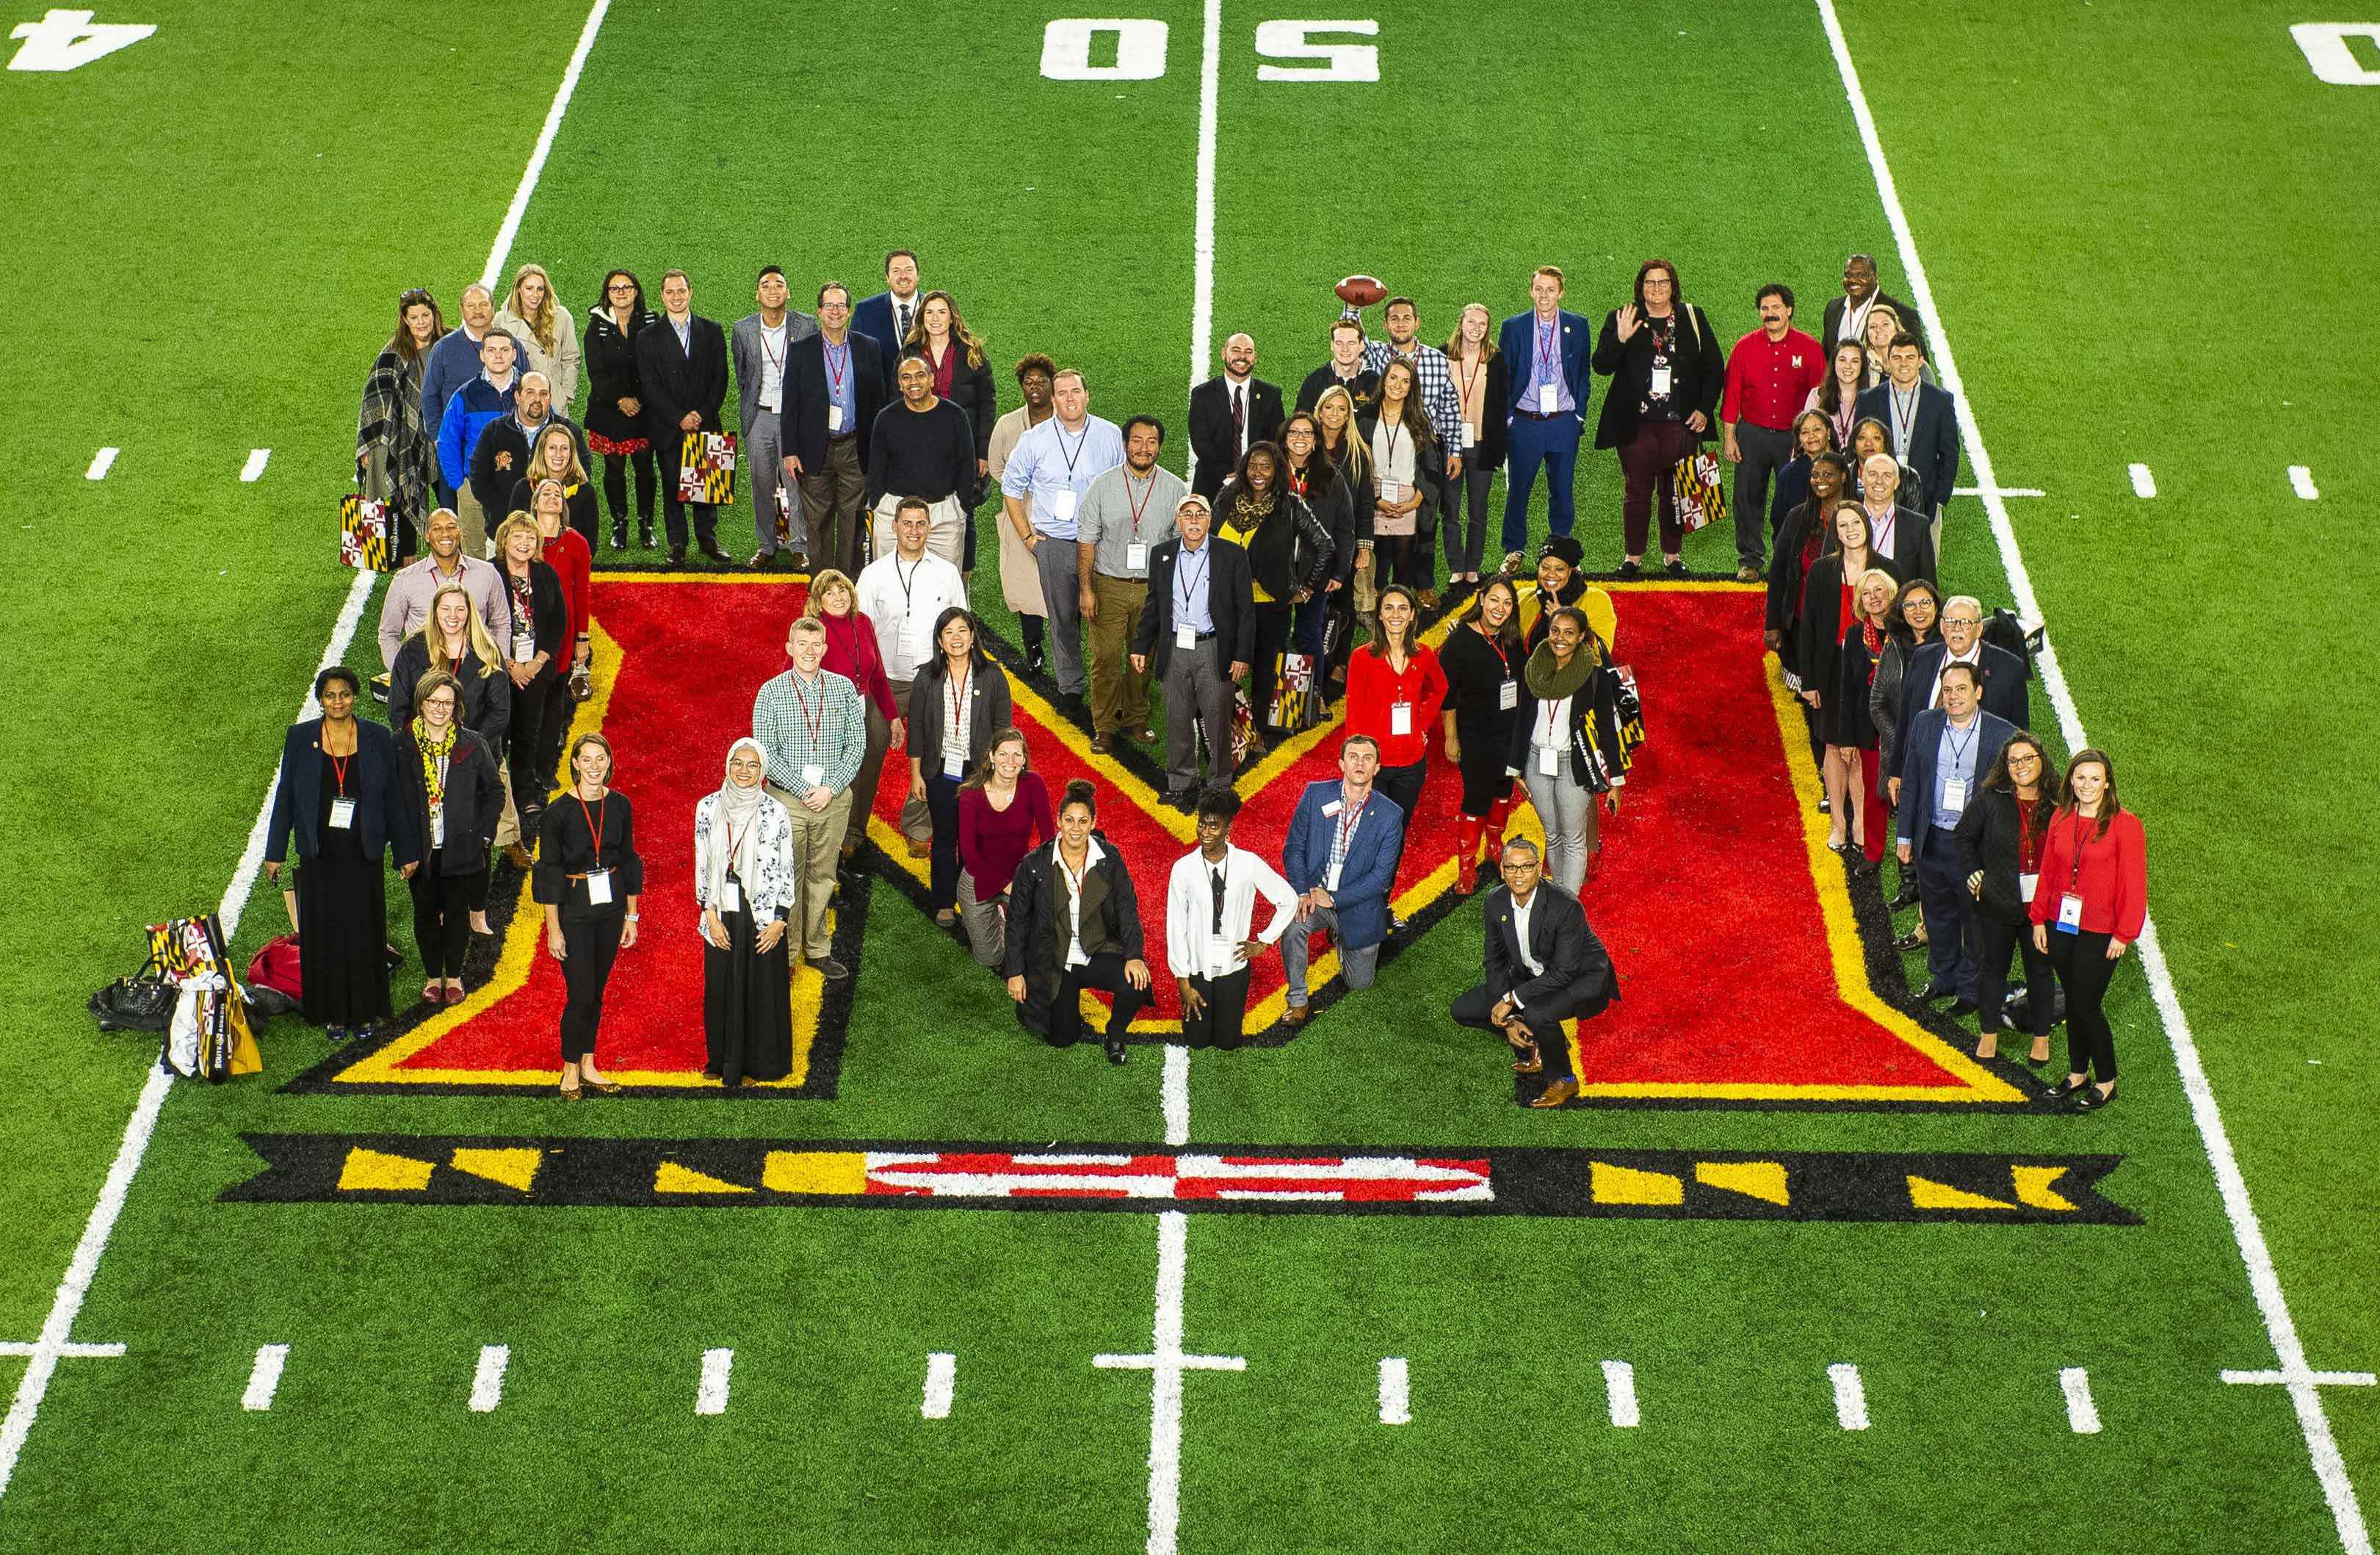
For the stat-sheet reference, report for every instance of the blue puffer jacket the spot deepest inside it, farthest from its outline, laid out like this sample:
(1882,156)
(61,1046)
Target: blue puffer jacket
(475,404)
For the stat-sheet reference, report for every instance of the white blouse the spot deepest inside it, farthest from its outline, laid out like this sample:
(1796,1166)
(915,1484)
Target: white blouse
(768,891)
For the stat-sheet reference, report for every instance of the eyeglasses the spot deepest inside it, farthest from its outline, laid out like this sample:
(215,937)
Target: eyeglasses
(1962,621)
(412,295)
(621,286)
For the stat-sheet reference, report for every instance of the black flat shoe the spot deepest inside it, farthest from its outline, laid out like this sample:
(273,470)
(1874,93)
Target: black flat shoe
(1675,569)
(1937,991)
(1115,1050)
(1632,569)
(2090,1098)
(1907,896)
(1908,943)
(2064,1088)
(1963,1007)
(1825,805)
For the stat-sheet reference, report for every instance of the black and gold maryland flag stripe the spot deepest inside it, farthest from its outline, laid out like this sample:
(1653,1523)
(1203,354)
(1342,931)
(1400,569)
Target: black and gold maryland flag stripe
(363,533)
(707,469)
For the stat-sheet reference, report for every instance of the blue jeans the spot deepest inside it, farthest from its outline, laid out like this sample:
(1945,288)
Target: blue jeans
(1553,443)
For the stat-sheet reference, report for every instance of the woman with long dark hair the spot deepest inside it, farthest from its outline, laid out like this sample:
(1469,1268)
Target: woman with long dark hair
(1289,559)
(396,463)
(1483,660)
(958,699)
(1408,471)
(1667,368)
(1351,461)
(1395,689)
(1999,836)
(962,375)
(1837,398)
(1812,435)
(1073,923)
(2090,905)
(1003,815)
(615,404)
(1851,737)
(1800,542)
(1308,472)
(1568,744)
(1829,612)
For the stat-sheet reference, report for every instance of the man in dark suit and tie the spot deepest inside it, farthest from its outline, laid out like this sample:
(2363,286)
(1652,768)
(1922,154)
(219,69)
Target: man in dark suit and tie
(1544,965)
(683,366)
(886,317)
(1228,414)
(1846,317)
(1198,637)
(1945,754)
(835,386)
(1550,351)
(1923,423)
(2006,696)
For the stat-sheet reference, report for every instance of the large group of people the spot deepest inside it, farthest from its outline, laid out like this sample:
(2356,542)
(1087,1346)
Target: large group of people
(872,437)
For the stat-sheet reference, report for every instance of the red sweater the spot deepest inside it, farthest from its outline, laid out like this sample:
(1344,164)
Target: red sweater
(2113,880)
(1768,381)
(567,554)
(850,652)
(1373,688)
(993,843)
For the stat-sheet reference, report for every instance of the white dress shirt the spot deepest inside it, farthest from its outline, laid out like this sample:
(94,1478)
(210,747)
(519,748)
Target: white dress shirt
(903,600)
(1192,947)
(1076,954)
(772,368)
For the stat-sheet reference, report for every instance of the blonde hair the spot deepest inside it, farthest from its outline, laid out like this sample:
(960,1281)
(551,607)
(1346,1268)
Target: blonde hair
(823,581)
(1355,459)
(1487,341)
(475,631)
(1859,591)
(541,324)
(514,522)
(537,470)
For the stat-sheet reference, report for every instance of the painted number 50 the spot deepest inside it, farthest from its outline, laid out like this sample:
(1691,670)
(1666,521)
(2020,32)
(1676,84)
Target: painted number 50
(1070,45)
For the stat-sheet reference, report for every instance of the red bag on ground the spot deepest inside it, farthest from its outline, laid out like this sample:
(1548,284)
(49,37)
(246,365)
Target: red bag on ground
(276,966)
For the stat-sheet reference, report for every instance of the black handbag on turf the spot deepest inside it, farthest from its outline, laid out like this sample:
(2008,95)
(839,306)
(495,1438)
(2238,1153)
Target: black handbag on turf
(143,1001)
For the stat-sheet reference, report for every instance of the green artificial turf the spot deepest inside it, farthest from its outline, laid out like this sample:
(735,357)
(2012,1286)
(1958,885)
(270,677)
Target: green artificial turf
(2100,241)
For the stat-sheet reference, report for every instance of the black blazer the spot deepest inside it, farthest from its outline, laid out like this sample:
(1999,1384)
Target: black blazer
(474,797)
(1698,371)
(975,391)
(1212,443)
(989,711)
(502,454)
(487,699)
(1912,537)
(1038,931)
(1933,446)
(806,396)
(2004,691)
(1784,612)
(1920,747)
(677,382)
(578,507)
(1312,545)
(1231,600)
(1363,389)
(610,361)
(1336,508)
(1989,834)
(1824,623)
(381,819)
(1833,317)
(550,628)
(1560,939)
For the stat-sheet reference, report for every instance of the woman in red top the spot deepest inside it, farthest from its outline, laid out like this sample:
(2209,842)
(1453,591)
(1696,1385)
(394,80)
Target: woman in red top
(1394,688)
(567,553)
(1003,815)
(850,652)
(2092,902)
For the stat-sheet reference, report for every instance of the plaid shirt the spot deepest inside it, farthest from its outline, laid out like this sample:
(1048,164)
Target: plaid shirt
(822,724)
(1435,381)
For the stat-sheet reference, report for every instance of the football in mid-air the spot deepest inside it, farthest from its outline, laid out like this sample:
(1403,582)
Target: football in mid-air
(1360,291)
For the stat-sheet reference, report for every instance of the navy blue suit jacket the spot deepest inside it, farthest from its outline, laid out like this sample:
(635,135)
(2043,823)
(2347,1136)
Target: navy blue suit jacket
(1920,739)
(872,316)
(1933,442)
(1370,868)
(381,816)
(1518,341)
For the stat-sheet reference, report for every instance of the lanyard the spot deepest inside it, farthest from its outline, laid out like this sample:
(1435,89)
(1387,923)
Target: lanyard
(776,359)
(1142,505)
(594,821)
(1059,434)
(1388,460)
(1552,708)
(1958,751)
(1347,826)
(1904,422)
(1469,375)
(906,582)
(835,377)
(959,693)
(815,726)
(1074,882)
(2074,875)
(1182,576)
(339,771)
(1545,357)
(1503,658)
(732,838)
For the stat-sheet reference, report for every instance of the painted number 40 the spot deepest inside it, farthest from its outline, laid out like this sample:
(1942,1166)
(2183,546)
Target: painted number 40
(1070,43)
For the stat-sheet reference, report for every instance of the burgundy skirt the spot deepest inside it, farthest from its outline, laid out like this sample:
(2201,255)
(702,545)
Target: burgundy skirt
(618,447)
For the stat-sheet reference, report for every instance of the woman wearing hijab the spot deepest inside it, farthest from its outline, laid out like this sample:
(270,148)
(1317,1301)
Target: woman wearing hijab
(744,883)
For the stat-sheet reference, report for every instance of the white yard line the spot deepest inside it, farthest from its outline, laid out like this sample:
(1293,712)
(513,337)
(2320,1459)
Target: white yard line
(31,1388)
(254,470)
(1176,1093)
(1396,1391)
(1850,1397)
(488,1379)
(100,463)
(2322,1447)
(941,1382)
(2081,1413)
(2302,482)
(264,1378)
(2143,482)
(1620,1393)
(711,1392)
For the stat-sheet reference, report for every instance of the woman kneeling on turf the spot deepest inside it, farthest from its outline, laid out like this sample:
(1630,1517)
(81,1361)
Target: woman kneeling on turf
(744,884)
(1073,923)
(588,878)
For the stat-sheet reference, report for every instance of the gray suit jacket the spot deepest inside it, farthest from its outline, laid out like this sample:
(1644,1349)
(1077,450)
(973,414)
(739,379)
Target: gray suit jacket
(744,348)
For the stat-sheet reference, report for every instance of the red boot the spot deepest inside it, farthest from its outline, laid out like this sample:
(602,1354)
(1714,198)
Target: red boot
(1466,857)
(1497,816)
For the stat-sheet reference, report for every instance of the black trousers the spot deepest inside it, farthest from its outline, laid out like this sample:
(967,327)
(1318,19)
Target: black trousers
(670,450)
(1102,972)
(588,944)
(943,806)
(1543,1018)
(616,486)
(1484,782)
(1995,941)
(442,923)
(1464,530)
(539,712)
(2084,971)
(1219,1025)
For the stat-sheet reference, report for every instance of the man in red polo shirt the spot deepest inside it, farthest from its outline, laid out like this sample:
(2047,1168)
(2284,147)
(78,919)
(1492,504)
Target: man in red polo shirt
(1769,376)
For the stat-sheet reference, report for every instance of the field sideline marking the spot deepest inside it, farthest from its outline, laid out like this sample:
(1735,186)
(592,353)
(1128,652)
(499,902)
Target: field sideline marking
(1396,1391)
(100,463)
(2322,1447)
(488,1379)
(1850,1397)
(31,1388)
(711,1392)
(2082,1415)
(941,1382)
(265,1378)
(1620,1393)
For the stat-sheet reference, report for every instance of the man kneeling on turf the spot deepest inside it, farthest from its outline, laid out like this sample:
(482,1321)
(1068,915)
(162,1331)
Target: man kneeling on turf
(1544,965)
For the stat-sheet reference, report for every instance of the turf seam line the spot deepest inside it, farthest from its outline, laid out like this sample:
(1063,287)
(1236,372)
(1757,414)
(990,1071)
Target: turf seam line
(941,1380)
(83,1267)
(2247,1230)
(2081,1414)
(487,1379)
(1850,1396)
(1396,1394)
(265,1378)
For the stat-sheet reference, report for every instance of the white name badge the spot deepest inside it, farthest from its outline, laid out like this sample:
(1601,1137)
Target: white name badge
(438,828)
(1661,381)
(1135,557)
(730,897)
(343,814)
(954,765)
(1470,435)
(524,648)
(1399,719)
(1330,810)
(2069,913)
(1954,794)
(1185,637)
(913,638)
(1548,760)
(834,418)
(812,776)
(1062,505)
(599,888)
(1549,399)
(2025,885)
(1392,492)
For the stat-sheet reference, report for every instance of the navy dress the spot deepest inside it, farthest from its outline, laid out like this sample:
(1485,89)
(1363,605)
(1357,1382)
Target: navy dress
(342,922)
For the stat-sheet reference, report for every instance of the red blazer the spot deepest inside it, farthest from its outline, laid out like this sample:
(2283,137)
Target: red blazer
(1373,688)
(2113,878)
(567,554)
(851,652)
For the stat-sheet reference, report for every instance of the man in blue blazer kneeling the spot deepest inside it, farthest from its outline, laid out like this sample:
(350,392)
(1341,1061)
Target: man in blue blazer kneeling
(1342,860)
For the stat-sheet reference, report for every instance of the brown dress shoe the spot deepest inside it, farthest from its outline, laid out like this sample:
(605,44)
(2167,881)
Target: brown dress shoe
(920,850)
(1103,744)
(1295,1017)
(518,856)
(1556,1094)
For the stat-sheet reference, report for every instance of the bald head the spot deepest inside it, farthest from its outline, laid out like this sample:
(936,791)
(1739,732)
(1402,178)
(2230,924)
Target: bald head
(1879,477)
(1239,358)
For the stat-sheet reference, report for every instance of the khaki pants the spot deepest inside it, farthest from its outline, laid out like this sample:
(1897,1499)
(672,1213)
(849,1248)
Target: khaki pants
(945,532)
(508,827)
(818,848)
(1119,692)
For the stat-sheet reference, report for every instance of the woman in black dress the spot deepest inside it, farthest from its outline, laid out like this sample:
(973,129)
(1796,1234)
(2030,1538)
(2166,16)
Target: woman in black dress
(1289,552)
(744,884)
(338,791)
(1307,472)
(2000,835)
(1482,660)
(538,659)
(615,404)
(962,375)
(1801,541)
(453,797)
(1077,890)
(1849,729)
(588,879)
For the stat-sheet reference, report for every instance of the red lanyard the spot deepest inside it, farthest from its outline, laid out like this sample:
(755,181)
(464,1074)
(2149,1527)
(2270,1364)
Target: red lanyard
(1347,825)
(1550,709)
(339,770)
(1469,376)
(958,692)
(1502,657)
(1142,505)
(1547,355)
(816,725)
(776,359)
(594,820)
(835,379)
